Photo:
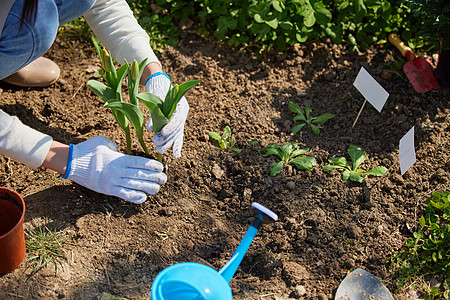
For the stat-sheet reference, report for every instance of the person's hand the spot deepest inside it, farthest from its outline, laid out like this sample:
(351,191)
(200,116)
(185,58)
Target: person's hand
(96,164)
(171,134)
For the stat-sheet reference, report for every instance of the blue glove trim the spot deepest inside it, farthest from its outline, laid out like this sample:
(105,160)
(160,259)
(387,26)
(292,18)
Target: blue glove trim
(69,163)
(156,74)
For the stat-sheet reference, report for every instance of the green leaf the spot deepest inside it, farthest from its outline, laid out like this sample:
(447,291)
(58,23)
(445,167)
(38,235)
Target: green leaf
(215,135)
(377,171)
(132,112)
(180,92)
(101,90)
(273,149)
(298,127)
(346,175)
(305,163)
(298,152)
(158,119)
(315,129)
(357,155)
(328,168)
(150,100)
(293,107)
(355,177)
(339,161)
(276,168)
(226,132)
(322,118)
(286,150)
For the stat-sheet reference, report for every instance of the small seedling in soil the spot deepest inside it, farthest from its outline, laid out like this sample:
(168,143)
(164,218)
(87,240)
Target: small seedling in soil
(289,155)
(307,119)
(353,173)
(44,245)
(426,254)
(225,141)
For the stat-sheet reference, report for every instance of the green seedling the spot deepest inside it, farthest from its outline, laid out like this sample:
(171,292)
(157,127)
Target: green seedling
(44,245)
(161,111)
(427,253)
(111,94)
(307,119)
(353,173)
(129,112)
(289,155)
(225,141)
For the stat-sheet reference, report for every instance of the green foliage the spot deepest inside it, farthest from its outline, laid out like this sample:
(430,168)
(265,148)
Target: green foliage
(435,16)
(427,253)
(44,245)
(353,173)
(129,112)
(289,155)
(111,94)
(307,119)
(260,26)
(225,141)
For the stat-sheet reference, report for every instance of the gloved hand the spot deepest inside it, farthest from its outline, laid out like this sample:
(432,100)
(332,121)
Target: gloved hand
(96,164)
(173,132)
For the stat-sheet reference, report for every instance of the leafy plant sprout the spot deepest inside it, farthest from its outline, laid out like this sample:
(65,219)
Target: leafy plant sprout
(129,112)
(427,253)
(306,118)
(44,245)
(289,155)
(352,172)
(225,141)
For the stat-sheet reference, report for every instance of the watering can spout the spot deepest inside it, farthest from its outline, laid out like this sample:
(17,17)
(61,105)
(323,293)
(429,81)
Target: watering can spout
(262,216)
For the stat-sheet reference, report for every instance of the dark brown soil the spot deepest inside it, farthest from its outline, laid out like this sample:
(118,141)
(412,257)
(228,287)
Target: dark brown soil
(326,226)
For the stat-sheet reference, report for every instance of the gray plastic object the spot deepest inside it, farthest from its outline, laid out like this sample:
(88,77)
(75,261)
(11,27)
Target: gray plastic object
(361,285)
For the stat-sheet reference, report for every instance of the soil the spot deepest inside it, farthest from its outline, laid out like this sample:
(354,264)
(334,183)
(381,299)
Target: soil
(327,226)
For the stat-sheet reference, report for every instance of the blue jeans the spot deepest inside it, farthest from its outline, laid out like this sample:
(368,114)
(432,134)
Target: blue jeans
(21,46)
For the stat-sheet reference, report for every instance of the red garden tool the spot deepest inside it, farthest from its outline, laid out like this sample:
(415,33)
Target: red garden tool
(419,71)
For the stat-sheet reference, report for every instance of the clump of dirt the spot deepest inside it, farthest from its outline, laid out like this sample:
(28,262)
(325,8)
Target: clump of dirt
(326,226)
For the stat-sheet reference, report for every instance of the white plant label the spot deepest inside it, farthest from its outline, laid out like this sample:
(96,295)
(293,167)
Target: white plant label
(371,89)
(407,153)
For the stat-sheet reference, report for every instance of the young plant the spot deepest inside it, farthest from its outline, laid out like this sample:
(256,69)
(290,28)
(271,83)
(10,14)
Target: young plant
(307,119)
(44,245)
(162,110)
(125,112)
(111,94)
(289,155)
(353,173)
(225,141)
(427,253)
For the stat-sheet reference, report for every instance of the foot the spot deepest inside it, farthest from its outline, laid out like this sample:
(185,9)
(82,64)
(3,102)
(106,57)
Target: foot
(40,73)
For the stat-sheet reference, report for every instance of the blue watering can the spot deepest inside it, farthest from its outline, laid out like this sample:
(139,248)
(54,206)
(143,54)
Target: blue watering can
(194,281)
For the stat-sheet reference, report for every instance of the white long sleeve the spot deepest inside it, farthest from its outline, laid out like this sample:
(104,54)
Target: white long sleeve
(114,24)
(21,142)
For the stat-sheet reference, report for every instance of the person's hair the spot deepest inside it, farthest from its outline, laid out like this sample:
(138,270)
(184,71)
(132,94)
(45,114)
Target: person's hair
(29,11)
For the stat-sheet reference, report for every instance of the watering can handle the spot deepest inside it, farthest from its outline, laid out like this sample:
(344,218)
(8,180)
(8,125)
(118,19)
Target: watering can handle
(398,43)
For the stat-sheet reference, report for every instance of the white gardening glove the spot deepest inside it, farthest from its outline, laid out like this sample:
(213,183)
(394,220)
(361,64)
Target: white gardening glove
(97,165)
(173,132)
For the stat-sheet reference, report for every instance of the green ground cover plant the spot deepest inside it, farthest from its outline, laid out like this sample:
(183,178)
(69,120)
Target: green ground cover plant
(260,26)
(353,172)
(306,118)
(224,141)
(426,255)
(288,154)
(44,245)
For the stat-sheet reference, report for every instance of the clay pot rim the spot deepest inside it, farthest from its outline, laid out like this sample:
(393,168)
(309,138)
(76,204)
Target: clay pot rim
(20,221)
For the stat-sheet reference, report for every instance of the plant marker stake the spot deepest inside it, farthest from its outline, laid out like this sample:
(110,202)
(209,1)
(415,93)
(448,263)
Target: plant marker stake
(359,113)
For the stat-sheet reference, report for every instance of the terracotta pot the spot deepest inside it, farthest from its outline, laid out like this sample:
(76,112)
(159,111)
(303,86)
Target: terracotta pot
(12,238)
